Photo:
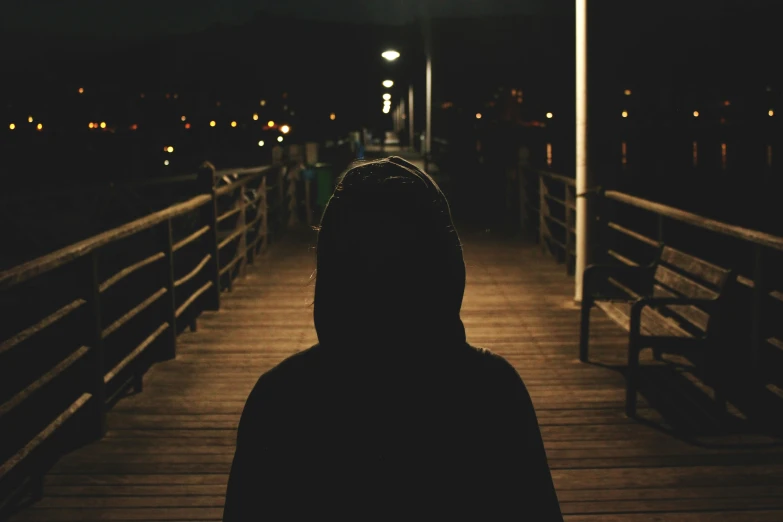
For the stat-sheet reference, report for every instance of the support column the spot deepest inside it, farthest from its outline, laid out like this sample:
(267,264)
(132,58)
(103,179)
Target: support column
(410,118)
(584,212)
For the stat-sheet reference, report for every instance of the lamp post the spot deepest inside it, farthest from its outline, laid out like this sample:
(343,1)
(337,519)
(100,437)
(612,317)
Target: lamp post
(391,55)
(584,212)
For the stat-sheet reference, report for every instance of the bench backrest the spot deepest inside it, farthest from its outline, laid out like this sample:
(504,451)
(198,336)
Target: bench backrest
(678,274)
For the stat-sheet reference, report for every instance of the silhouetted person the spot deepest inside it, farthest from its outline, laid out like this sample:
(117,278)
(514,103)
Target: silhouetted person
(392,415)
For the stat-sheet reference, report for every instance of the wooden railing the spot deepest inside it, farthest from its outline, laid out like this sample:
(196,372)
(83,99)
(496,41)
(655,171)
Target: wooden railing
(81,325)
(631,232)
(556,208)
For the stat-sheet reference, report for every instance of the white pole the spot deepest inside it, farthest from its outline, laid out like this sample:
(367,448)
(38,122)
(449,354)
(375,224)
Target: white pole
(410,116)
(582,182)
(428,135)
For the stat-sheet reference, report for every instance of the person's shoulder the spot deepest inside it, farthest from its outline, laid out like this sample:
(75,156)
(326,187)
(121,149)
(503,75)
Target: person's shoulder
(286,377)
(495,367)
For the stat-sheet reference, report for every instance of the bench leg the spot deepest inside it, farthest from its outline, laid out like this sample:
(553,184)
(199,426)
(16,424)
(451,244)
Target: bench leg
(584,328)
(632,381)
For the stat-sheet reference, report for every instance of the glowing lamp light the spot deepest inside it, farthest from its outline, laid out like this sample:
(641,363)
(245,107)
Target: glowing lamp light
(332,116)
(183,118)
(387,96)
(627,92)
(39,126)
(280,139)
(771,112)
(187,125)
(81,90)
(478,115)
(134,126)
(388,84)
(390,55)
(233,124)
(270,123)
(386,110)
(261,143)
(169,149)
(625,114)
(29,119)
(695,114)
(90,125)
(103,125)
(263,102)
(166,162)
(285,129)
(12,126)
(212,123)
(549,115)
(255,117)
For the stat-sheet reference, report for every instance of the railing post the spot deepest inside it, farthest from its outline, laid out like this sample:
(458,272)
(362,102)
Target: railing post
(97,366)
(206,183)
(660,229)
(542,213)
(167,239)
(759,295)
(569,237)
(242,245)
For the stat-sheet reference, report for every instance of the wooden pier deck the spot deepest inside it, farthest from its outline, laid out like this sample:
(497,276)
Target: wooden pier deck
(168,450)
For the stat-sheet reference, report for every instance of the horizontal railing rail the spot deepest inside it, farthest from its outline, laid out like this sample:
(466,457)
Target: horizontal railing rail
(86,321)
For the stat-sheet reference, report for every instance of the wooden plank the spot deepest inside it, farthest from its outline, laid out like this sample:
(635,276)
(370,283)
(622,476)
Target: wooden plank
(133,312)
(692,314)
(695,267)
(682,285)
(40,325)
(42,381)
(43,435)
(188,240)
(125,272)
(25,271)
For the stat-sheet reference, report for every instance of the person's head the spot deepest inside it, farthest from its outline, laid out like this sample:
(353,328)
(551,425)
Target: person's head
(389,261)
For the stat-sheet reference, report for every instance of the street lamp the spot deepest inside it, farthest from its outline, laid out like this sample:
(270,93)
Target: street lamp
(390,55)
(388,84)
(387,96)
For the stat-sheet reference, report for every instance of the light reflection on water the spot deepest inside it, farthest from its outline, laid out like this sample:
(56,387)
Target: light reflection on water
(696,154)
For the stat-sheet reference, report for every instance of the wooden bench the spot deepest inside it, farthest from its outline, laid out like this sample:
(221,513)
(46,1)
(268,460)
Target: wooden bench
(679,311)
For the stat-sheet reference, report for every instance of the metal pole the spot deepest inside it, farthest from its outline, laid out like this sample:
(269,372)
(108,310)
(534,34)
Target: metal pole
(410,117)
(428,131)
(583,213)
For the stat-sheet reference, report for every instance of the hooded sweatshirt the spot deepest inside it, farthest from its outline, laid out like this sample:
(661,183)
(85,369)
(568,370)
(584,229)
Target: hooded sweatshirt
(392,415)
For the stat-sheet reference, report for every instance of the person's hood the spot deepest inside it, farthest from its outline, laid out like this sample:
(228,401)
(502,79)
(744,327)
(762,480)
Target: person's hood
(390,270)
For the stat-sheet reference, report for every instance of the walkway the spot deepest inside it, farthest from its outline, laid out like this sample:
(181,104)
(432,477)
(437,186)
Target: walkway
(168,450)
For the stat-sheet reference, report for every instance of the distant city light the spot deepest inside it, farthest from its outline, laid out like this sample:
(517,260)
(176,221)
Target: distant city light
(233,124)
(478,115)
(279,139)
(255,117)
(103,125)
(39,126)
(12,126)
(549,115)
(695,114)
(187,125)
(388,83)
(81,90)
(134,126)
(270,123)
(29,119)
(212,123)
(183,118)
(513,92)
(285,129)
(390,55)
(90,125)
(771,112)
(263,102)
(386,109)
(261,143)
(726,103)
(169,149)
(176,95)
(141,95)
(166,162)
(387,96)
(168,96)
(625,114)
(332,116)
(627,92)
